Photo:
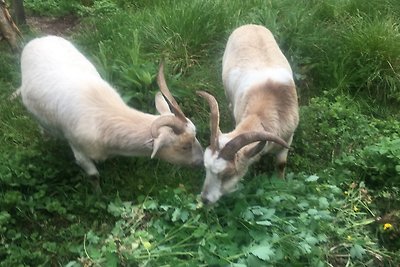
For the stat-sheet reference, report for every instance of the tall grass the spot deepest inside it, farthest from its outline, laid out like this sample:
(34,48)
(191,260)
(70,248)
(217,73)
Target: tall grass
(332,45)
(373,46)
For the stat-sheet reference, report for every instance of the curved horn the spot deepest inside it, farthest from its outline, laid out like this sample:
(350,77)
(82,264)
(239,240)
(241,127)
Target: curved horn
(167,120)
(233,146)
(167,94)
(214,118)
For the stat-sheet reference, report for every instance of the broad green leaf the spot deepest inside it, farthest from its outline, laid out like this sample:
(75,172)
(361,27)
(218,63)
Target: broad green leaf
(312,211)
(257,210)
(94,253)
(303,204)
(200,230)
(311,240)
(248,215)
(111,259)
(184,216)
(176,214)
(305,248)
(255,261)
(268,213)
(263,252)
(323,203)
(115,210)
(322,238)
(150,205)
(357,251)
(312,178)
(92,237)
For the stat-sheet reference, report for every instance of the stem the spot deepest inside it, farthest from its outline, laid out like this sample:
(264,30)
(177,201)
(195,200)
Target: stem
(365,222)
(84,248)
(171,234)
(140,257)
(234,257)
(366,207)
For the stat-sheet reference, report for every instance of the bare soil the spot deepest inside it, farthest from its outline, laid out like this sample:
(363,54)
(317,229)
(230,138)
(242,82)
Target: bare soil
(61,26)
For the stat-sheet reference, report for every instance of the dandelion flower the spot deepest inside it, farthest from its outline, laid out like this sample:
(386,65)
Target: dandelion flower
(387,226)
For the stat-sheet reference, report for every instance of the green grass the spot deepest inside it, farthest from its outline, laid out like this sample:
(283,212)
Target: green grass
(339,205)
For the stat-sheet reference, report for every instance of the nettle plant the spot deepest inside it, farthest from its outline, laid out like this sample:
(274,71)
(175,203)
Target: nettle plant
(310,223)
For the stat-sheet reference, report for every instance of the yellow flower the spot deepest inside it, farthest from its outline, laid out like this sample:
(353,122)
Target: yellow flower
(387,226)
(349,237)
(356,209)
(146,244)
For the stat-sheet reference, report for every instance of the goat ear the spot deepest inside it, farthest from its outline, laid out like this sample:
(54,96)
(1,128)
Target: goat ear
(159,142)
(256,149)
(161,104)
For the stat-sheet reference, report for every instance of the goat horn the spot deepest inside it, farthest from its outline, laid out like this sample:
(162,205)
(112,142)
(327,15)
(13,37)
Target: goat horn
(167,94)
(167,120)
(214,118)
(233,146)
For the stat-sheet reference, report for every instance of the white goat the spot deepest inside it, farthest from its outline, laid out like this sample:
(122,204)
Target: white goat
(67,96)
(259,84)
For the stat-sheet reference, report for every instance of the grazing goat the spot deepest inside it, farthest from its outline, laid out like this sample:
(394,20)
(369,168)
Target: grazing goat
(69,99)
(259,84)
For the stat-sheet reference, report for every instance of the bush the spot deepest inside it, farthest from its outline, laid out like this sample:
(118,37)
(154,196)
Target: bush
(52,7)
(378,164)
(330,127)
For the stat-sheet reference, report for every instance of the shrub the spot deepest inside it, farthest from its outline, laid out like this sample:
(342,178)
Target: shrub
(328,128)
(379,163)
(52,7)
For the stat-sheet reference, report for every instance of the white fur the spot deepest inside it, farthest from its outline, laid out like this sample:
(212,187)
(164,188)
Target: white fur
(240,80)
(213,163)
(66,94)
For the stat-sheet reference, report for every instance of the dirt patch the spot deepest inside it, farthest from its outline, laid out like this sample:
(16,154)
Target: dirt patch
(61,26)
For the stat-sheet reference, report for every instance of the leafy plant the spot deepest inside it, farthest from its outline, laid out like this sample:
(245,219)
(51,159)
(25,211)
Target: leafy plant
(296,226)
(339,204)
(330,127)
(52,7)
(377,163)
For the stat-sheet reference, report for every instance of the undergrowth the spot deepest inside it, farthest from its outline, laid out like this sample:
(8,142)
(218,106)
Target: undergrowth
(339,205)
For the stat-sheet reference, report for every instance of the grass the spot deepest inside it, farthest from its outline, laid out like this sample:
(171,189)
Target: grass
(339,205)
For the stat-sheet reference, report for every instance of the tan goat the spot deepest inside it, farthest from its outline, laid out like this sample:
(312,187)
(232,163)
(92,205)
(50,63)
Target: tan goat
(259,85)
